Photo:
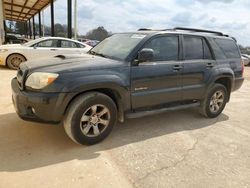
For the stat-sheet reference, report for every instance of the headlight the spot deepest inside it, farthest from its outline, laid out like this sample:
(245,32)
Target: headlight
(39,80)
(3,50)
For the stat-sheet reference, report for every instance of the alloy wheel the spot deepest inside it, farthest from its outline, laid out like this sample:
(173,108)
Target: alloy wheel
(95,120)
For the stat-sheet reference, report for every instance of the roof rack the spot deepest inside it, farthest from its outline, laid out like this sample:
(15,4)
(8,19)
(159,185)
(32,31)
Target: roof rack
(199,30)
(185,29)
(189,29)
(147,29)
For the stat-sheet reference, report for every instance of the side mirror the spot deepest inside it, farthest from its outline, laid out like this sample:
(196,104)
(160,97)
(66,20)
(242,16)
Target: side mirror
(146,54)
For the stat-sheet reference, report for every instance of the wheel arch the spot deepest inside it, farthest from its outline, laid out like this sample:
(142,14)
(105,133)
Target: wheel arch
(112,93)
(226,81)
(14,54)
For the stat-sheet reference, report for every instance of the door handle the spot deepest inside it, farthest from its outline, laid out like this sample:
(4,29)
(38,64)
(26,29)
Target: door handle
(53,49)
(210,65)
(177,67)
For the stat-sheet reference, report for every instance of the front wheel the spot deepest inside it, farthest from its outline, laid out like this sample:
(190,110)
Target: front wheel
(90,118)
(215,102)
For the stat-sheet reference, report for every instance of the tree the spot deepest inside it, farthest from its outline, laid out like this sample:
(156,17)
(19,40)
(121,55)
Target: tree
(20,28)
(60,30)
(99,33)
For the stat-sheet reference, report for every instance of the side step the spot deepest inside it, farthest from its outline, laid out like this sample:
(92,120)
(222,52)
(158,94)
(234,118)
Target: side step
(152,112)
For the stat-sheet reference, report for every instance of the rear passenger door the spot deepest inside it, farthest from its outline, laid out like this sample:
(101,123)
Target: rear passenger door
(68,47)
(197,65)
(157,82)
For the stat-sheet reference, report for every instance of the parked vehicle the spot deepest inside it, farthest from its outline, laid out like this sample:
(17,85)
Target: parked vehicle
(130,75)
(12,39)
(246,59)
(14,54)
(82,40)
(92,43)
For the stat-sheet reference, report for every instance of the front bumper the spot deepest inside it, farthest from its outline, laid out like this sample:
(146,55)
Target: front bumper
(2,61)
(38,106)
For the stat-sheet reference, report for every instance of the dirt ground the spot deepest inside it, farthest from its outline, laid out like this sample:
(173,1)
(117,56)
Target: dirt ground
(174,149)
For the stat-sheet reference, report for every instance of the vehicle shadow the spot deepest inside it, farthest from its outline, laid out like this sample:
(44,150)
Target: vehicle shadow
(2,67)
(27,145)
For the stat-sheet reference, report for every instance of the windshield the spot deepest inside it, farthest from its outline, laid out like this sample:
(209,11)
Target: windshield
(118,46)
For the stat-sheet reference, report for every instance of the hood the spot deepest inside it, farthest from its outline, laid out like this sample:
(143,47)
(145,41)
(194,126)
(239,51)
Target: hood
(10,45)
(71,63)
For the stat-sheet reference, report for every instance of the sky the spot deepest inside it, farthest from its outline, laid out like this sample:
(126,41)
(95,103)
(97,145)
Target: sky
(229,16)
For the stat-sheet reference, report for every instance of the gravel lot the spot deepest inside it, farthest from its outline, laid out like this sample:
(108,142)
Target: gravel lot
(174,149)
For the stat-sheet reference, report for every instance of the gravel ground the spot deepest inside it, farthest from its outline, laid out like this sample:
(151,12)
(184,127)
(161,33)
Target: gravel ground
(174,149)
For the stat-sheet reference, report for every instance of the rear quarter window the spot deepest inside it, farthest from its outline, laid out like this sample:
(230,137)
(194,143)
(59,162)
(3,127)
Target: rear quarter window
(228,47)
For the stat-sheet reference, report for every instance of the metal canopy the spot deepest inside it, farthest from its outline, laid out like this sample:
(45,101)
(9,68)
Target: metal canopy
(23,10)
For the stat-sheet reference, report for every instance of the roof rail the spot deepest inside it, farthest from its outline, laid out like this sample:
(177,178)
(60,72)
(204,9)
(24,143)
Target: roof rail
(144,29)
(147,29)
(189,29)
(199,30)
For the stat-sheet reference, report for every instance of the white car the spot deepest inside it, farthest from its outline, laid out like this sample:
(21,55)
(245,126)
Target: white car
(13,55)
(246,59)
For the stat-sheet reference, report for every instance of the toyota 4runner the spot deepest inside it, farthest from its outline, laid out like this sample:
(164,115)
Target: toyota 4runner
(130,75)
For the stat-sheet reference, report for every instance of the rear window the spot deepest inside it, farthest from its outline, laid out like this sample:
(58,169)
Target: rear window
(229,48)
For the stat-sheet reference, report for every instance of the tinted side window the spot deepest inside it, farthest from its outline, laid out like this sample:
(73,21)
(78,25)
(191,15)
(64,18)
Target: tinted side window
(193,48)
(46,44)
(165,48)
(229,48)
(81,46)
(68,44)
(207,52)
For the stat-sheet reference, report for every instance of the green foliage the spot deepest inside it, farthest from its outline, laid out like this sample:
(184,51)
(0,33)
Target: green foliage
(99,33)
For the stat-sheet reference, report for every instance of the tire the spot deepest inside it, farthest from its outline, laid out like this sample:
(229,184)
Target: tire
(83,118)
(208,106)
(14,61)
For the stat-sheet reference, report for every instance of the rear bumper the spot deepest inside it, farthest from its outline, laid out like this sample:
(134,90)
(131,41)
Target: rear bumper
(237,83)
(37,106)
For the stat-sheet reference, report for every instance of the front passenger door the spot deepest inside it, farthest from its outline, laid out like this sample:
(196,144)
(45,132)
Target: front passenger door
(158,82)
(45,48)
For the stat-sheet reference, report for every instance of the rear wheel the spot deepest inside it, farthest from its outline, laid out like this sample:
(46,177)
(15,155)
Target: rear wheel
(215,101)
(14,61)
(90,118)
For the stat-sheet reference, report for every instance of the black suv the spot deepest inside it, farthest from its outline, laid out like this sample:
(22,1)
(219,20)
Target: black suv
(130,75)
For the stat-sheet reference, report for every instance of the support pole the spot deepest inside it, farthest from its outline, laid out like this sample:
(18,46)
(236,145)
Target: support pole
(52,18)
(30,29)
(39,22)
(26,30)
(43,22)
(69,19)
(34,27)
(75,20)
(5,31)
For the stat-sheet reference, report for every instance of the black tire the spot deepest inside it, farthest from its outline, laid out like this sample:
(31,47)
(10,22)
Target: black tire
(14,61)
(77,109)
(206,106)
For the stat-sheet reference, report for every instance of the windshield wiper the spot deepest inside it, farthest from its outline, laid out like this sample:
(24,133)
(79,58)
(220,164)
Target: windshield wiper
(97,54)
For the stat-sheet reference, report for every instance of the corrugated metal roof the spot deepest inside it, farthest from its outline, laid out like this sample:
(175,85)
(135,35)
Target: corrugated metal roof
(22,10)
